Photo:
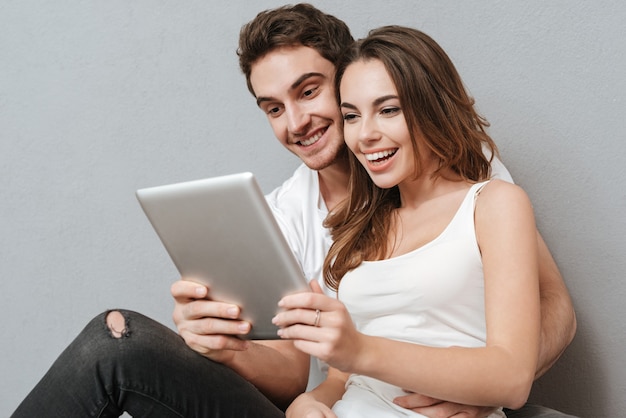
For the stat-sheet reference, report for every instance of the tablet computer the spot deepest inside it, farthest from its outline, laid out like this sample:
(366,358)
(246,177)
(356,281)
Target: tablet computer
(221,232)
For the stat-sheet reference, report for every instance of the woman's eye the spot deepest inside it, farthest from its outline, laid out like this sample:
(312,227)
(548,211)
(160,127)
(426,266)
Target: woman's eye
(388,111)
(347,117)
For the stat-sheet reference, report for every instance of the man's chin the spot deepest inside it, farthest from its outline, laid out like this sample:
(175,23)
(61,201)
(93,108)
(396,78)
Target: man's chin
(318,165)
(323,160)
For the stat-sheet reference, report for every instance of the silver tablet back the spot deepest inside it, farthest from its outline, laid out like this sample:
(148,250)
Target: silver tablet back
(220,231)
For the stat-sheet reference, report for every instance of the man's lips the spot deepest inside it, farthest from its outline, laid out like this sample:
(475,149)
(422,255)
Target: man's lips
(312,139)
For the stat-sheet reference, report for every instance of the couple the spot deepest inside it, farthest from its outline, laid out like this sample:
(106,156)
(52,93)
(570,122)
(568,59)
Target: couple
(429,201)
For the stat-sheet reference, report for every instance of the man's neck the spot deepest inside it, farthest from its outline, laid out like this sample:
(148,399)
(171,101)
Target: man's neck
(333,182)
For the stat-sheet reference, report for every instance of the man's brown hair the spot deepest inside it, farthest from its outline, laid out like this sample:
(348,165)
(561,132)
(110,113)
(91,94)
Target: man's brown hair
(300,24)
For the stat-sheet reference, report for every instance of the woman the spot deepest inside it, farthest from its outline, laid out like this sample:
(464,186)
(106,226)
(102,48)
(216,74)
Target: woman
(434,263)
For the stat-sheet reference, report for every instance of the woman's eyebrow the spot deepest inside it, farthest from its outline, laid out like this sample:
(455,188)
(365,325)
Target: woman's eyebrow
(383,99)
(376,102)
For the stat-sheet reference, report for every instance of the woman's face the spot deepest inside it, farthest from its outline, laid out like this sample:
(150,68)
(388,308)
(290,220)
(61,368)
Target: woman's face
(375,129)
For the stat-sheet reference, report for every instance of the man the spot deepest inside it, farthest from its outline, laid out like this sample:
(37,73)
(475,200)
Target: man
(287,56)
(123,361)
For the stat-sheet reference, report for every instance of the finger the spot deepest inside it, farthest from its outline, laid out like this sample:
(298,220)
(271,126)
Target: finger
(317,349)
(197,309)
(415,400)
(216,326)
(208,344)
(305,300)
(446,410)
(297,316)
(185,289)
(316,287)
(310,300)
(303,332)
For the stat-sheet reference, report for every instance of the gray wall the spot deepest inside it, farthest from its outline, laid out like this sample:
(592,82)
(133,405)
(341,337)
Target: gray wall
(99,98)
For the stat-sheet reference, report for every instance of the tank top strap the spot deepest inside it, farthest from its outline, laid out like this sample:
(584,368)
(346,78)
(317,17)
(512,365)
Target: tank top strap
(463,221)
(477,188)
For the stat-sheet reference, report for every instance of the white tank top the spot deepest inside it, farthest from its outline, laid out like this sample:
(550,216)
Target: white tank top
(433,295)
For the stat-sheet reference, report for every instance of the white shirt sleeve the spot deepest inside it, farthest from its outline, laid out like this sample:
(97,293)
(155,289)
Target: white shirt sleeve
(498,170)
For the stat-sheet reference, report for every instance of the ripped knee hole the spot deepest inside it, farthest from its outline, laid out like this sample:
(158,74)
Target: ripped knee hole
(116,324)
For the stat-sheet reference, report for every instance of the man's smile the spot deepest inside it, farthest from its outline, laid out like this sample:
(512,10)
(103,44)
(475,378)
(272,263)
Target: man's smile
(312,139)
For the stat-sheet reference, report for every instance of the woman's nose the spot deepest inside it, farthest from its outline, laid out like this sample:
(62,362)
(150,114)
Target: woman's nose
(368,130)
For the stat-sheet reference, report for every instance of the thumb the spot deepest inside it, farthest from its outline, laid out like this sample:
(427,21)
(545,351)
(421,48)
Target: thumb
(315,286)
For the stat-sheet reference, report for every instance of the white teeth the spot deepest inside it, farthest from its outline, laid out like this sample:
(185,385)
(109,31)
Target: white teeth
(378,155)
(312,140)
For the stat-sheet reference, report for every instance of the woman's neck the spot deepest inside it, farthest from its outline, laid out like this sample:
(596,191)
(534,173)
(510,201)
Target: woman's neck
(428,186)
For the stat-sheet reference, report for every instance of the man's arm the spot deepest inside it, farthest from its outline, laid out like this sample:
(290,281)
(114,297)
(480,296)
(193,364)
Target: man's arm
(278,370)
(558,320)
(211,328)
(558,326)
(319,402)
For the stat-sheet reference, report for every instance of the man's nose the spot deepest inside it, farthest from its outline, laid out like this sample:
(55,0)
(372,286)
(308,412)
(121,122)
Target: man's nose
(297,120)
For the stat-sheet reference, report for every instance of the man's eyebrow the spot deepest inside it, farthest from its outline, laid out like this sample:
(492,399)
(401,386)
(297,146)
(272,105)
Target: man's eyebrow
(293,86)
(303,78)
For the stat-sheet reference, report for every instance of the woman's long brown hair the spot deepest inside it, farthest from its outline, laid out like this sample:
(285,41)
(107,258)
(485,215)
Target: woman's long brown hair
(435,103)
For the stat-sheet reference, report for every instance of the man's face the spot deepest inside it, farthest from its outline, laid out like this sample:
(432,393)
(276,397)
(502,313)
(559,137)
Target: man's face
(294,87)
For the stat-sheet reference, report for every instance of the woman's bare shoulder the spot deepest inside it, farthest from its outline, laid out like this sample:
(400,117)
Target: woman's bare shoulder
(500,195)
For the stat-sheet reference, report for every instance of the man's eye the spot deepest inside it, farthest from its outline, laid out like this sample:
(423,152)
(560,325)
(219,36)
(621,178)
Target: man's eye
(310,92)
(273,111)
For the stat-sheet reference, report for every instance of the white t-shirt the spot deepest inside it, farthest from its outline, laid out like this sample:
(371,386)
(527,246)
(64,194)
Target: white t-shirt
(300,211)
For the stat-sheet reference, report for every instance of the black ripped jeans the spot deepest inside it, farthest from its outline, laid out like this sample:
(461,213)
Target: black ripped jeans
(148,372)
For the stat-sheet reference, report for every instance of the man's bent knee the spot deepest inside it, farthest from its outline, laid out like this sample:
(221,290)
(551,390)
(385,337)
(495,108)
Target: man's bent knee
(117,324)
